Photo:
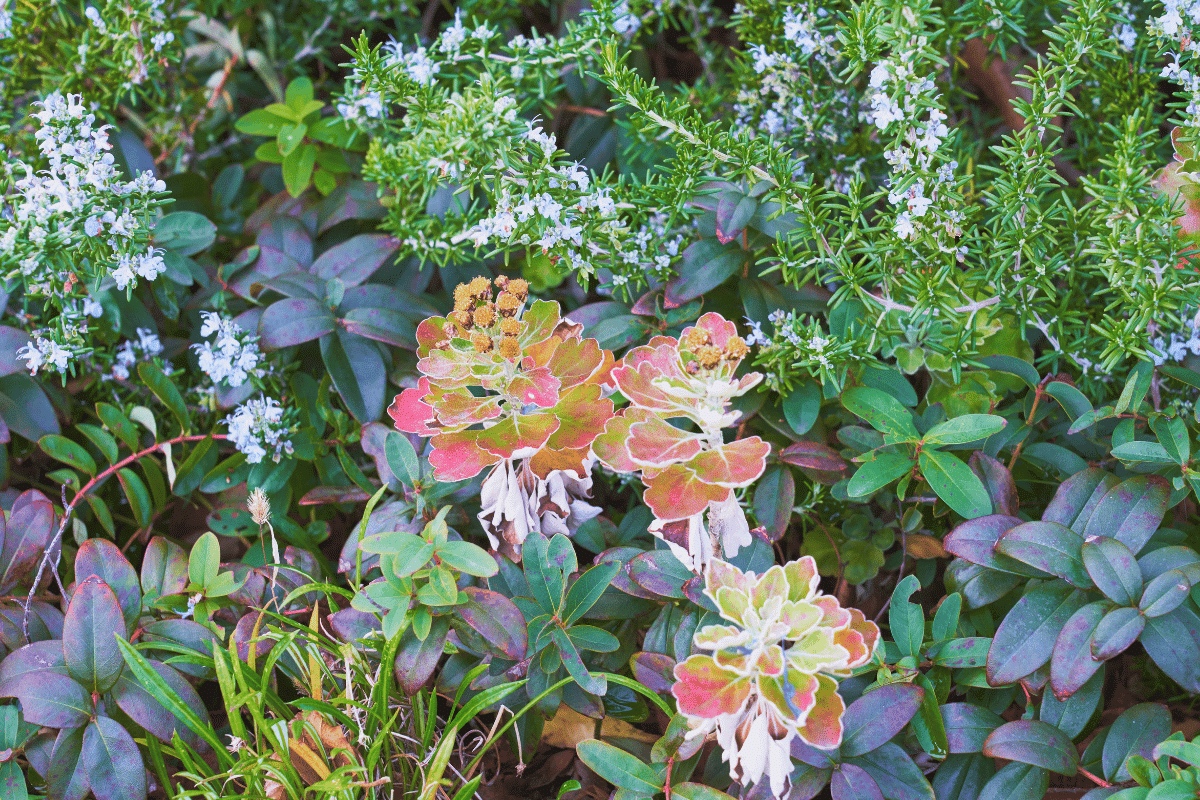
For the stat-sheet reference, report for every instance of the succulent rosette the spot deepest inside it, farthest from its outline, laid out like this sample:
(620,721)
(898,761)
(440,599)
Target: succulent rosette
(686,471)
(770,676)
(537,398)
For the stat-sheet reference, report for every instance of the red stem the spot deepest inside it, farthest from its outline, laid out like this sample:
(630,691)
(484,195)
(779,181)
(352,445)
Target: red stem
(52,547)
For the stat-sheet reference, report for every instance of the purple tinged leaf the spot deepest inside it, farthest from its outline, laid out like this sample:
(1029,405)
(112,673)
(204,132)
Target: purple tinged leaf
(356,259)
(291,322)
(416,660)
(382,325)
(660,573)
(1077,497)
(1026,637)
(877,716)
(102,558)
(1017,781)
(1131,511)
(1072,663)
(350,624)
(48,697)
(968,726)
(1048,547)
(655,671)
(997,480)
(1113,568)
(1136,731)
(67,776)
(164,567)
(114,765)
(975,540)
(1033,742)
(1173,641)
(852,782)
(497,619)
(1165,593)
(703,266)
(1119,629)
(895,773)
(979,585)
(25,535)
(132,698)
(90,629)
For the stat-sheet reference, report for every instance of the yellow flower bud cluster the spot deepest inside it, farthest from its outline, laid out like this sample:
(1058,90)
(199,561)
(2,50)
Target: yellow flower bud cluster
(491,324)
(707,355)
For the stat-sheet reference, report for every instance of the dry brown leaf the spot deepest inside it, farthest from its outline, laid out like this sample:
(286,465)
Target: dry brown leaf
(568,728)
(920,545)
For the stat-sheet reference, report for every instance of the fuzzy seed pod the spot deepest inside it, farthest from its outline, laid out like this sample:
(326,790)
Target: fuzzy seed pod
(695,338)
(463,318)
(735,350)
(480,288)
(510,326)
(518,287)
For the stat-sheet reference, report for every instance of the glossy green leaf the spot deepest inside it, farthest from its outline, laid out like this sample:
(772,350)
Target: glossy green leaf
(873,475)
(1071,399)
(63,449)
(402,458)
(964,429)
(955,483)
(294,321)
(884,412)
(906,619)
(119,424)
(297,168)
(468,558)
(205,560)
(586,590)
(138,496)
(1072,714)
(877,716)
(590,682)
(103,440)
(1174,437)
(802,406)
(619,768)
(185,232)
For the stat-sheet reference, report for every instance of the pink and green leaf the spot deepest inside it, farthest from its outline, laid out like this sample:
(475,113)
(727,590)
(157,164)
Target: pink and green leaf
(537,386)
(410,412)
(823,726)
(734,465)
(705,689)
(657,443)
(458,456)
(678,493)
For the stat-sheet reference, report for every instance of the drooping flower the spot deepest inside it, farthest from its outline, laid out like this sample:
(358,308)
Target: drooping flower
(687,472)
(536,406)
(771,675)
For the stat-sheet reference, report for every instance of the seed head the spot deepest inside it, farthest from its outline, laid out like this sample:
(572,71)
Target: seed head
(507,304)
(735,349)
(518,287)
(480,288)
(509,348)
(695,338)
(462,317)
(708,356)
(510,326)
(484,316)
(259,507)
(481,341)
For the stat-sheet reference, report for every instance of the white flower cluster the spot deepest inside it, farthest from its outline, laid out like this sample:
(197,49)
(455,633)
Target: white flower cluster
(6,20)
(1123,31)
(1179,25)
(649,252)
(79,199)
(553,216)
(129,33)
(421,66)
(359,104)
(130,353)
(897,95)
(77,206)
(233,357)
(1179,344)
(626,22)
(257,429)
(795,93)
